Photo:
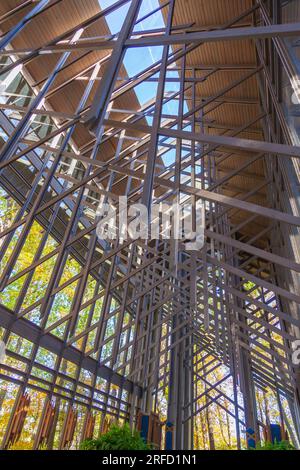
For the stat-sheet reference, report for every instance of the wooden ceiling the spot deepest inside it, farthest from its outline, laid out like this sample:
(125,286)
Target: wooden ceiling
(239,105)
(62,17)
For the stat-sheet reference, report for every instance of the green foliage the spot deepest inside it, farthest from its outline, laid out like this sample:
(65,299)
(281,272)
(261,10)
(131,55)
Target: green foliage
(283,445)
(117,438)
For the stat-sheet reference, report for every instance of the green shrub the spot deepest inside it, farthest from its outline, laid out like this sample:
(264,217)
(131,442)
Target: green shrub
(117,438)
(283,445)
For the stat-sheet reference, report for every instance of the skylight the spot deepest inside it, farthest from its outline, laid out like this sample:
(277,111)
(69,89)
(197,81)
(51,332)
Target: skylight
(138,59)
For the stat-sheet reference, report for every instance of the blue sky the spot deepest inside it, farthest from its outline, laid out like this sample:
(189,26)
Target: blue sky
(136,60)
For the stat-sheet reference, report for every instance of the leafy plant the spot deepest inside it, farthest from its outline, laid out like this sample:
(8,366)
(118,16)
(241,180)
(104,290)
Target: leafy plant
(117,438)
(283,445)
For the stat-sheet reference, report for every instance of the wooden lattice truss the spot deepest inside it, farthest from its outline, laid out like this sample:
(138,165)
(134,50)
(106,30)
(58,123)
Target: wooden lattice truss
(145,324)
